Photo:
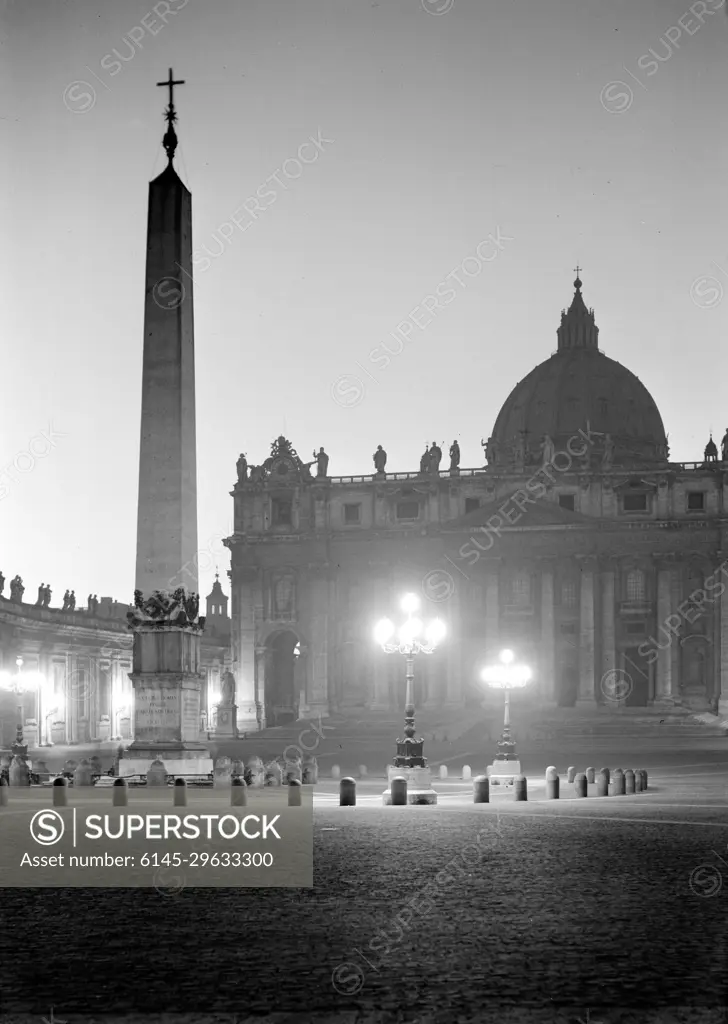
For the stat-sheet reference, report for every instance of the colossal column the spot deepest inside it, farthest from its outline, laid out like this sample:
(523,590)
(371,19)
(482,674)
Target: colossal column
(665,609)
(609,682)
(492,609)
(166,674)
(548,640)
(586,632)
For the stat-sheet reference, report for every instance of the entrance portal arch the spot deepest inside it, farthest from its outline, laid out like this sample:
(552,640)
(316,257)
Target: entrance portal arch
(283,677)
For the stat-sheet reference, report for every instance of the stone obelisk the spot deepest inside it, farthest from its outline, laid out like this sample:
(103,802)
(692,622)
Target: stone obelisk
(166,674)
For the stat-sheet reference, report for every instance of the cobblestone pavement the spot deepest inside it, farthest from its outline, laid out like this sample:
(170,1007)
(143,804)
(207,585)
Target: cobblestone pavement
(604,909)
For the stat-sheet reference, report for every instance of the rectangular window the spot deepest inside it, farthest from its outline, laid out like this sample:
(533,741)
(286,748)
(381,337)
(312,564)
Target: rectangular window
(568,594)
(696,501)
(282,512)
(408,510)
(352,514)
(567,501)
(471,504)
(634,503)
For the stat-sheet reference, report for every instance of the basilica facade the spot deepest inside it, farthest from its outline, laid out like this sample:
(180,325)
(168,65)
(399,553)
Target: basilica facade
(580,546)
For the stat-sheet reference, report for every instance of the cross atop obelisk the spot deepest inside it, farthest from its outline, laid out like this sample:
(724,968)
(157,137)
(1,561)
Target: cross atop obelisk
(170,139)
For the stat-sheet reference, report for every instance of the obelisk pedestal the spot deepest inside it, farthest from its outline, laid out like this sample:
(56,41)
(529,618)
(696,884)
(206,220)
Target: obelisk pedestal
(167,691)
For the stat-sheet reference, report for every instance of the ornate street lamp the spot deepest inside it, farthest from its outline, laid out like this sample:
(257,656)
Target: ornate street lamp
(506,676)
(412,638)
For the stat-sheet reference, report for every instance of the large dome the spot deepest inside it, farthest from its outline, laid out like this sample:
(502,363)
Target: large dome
(579,388)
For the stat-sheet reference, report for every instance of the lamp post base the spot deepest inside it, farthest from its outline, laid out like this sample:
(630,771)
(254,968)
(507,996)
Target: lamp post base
(503,772)
(419,785)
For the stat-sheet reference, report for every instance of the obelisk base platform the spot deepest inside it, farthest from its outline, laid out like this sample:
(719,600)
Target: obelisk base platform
(167,688)
(227,718)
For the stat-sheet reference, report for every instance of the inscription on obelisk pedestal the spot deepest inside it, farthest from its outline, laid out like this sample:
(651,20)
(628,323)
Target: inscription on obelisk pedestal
(157,715)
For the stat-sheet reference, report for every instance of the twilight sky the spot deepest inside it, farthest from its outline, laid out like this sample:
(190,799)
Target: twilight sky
(549,126)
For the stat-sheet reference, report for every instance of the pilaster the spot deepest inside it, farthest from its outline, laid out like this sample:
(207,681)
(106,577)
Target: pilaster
(492,608)
(260,665)
(723,638)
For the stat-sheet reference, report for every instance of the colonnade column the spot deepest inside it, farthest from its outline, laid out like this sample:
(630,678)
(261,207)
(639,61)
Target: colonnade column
(70,691)
(260,665)
(586,631)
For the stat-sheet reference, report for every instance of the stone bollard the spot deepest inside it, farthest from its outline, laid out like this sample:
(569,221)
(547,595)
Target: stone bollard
(520,788)
(580,784)
(618,782)
(120,793)
(643,773)
(180,792)
(612,789)
(347,793)
(83,774)
(443,771)
(19,772)
(157,774)
(467,772)
(570,774)
(362,771)
(606,773)
(310,771)
(398,790)
(3,792)
(335,771)
(552,784)
(60,792)
(294,793)
(238,792)
(590,775)
(629,782)
(552,768)
(273,774)
(603,782)
(481,790)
